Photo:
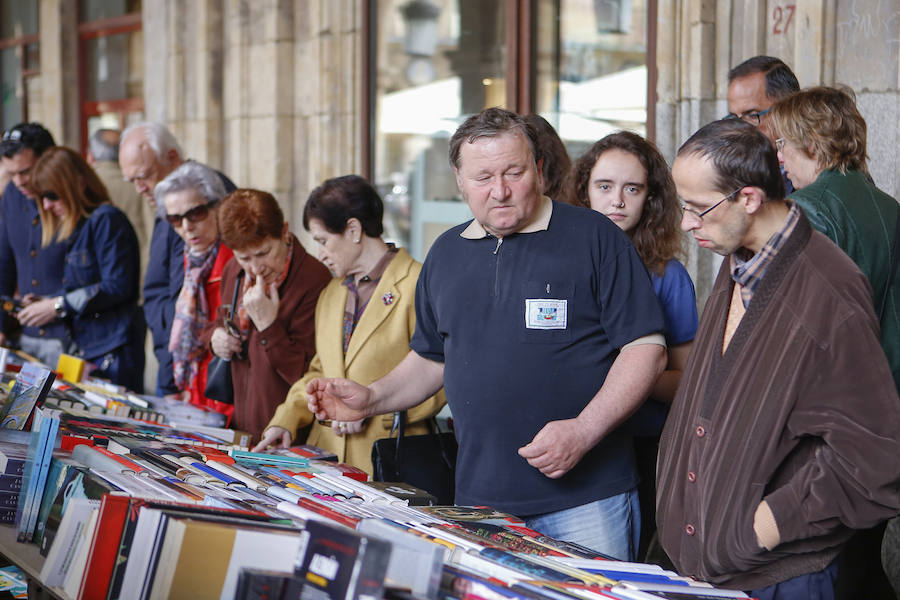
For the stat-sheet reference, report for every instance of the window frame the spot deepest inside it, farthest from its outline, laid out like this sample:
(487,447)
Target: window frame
(89,30)
(521,49)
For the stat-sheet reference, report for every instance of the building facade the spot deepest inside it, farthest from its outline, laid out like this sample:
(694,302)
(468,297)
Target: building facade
(281,94)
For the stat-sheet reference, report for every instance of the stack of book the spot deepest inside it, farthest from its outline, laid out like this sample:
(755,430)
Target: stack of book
(126,508)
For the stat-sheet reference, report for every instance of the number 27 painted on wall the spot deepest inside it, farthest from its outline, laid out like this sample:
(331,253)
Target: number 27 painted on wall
(782,17)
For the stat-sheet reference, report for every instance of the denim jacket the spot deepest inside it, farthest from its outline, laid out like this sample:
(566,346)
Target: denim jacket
(102,269)
(24,264)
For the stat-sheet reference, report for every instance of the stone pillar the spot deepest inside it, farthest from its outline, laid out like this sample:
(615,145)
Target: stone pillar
(60,109)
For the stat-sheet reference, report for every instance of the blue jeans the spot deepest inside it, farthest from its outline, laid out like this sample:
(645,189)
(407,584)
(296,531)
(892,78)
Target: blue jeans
(611,526)
(812,586)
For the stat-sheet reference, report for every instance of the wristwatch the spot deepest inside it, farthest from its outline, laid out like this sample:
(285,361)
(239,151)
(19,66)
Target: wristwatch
(60,307)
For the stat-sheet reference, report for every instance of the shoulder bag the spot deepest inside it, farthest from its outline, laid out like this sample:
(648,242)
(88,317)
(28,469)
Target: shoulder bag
(218,373)
(427,461)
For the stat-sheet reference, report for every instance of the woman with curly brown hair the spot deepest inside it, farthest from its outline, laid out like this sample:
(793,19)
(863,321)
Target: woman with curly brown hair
(625,177)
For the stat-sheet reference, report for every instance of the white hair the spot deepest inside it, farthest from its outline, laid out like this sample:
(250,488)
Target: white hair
(190,176)
(158,137)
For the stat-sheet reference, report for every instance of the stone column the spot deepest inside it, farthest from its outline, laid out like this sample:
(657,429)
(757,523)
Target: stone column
(60,108)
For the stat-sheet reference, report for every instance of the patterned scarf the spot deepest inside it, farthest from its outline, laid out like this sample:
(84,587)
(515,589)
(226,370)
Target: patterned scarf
(191,316)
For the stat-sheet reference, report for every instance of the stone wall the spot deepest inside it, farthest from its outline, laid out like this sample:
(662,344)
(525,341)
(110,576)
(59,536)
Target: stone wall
(826,42)
(266,90)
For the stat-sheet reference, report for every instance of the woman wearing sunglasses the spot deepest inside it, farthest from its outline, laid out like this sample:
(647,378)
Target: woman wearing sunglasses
(270,338)
(99,301)
(188,197)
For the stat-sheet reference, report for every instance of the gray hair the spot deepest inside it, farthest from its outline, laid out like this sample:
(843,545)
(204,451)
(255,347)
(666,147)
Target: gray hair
(489,123)
(190,175)
(102,147)
(158,137)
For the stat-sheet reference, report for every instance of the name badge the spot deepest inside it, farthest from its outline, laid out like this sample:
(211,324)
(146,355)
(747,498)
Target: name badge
(545,314)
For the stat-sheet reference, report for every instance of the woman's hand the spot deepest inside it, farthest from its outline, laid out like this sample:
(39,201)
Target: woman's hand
(182,396)
(224,345)
(347,427)
(262,303)
(271,437)
(38,311)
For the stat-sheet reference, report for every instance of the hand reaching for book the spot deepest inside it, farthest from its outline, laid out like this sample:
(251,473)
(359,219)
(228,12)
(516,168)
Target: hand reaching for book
(273,437)
(556,448)
(338,399)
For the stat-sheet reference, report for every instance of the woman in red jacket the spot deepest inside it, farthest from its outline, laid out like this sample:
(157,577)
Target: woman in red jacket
(189,196)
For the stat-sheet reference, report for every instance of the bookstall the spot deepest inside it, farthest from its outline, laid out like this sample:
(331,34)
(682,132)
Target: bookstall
(107,500)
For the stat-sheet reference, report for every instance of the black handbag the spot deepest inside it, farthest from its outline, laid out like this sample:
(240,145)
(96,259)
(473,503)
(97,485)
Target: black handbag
(427,461)
(218,373)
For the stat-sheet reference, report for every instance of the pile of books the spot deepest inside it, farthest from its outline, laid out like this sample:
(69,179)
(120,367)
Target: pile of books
(126,508)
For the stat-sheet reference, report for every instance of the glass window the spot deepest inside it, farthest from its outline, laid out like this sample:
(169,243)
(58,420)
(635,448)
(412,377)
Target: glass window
(591,68)
(18,18)
(437,61)
(18,59)
(10,92)
(93,10)
(114,67)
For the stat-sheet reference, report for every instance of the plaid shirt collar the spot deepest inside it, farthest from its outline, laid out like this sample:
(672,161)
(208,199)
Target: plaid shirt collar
(748,273)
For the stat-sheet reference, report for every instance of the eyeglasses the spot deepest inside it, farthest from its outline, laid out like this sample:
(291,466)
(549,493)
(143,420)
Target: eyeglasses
(754,118)
(51,196)
(195,215)
(779,144)
(685,209)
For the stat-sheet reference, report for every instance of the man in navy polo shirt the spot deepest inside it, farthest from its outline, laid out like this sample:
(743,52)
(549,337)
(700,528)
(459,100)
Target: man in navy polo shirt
(540,322)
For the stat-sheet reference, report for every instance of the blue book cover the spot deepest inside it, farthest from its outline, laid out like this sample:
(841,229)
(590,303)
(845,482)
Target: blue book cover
(32,385)
(40,450)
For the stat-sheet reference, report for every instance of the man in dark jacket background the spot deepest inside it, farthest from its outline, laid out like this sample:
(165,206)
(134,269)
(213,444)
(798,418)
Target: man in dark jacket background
(147,153)
(784,434)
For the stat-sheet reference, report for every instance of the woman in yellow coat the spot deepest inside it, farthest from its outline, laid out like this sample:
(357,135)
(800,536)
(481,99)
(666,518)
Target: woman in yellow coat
(364,319)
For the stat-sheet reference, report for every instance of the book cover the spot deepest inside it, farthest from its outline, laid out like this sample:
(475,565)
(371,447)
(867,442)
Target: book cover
(65,545)
(339,563)
(70,368)
(77,483)
(147,514)
(57,474)
(403,491)
(32,384)
(39,454)
(207,557)
(12,458)
(104,546)
(414,563)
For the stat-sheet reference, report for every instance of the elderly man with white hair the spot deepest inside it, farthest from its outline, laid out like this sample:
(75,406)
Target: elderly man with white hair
(148,152)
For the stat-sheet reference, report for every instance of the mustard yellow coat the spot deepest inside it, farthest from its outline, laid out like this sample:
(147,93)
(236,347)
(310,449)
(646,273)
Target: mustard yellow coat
(379,342)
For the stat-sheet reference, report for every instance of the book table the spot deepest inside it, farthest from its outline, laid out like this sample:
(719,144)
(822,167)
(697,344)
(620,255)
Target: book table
(28,558)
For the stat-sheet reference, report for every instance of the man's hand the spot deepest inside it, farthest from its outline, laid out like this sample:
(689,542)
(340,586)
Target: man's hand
(262,304)
(271,438)
(38,311)
(223,344)
(557,447)
(338,399)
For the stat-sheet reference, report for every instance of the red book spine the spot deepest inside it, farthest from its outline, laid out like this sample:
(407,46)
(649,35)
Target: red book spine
(328,512)
(104,547)
(128,464)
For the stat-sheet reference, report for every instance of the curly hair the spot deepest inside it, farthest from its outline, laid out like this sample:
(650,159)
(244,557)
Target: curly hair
(657,236)
(825,122)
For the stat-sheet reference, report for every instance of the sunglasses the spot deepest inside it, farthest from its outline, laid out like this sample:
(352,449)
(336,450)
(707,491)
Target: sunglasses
(51,196)
(195,215)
